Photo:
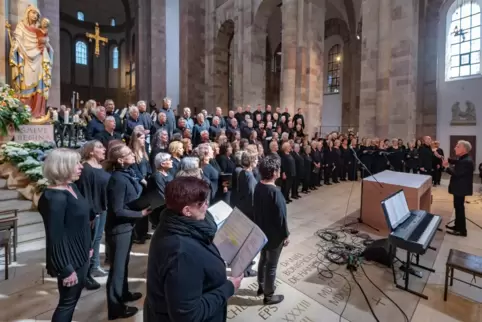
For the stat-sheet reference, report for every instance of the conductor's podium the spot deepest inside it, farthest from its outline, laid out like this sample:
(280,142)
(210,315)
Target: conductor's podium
(417,189)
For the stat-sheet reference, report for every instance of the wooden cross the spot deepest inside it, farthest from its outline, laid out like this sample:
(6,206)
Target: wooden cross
(98,39)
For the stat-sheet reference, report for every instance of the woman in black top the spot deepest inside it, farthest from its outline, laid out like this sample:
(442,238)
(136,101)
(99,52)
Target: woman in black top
(66,216)
(92,185)
(123,187)
(346,156)
(337,162)
(158,181)
(300,171)
(380,161)
(176,150)
(352,162)
(246,184)
(270,215)
(411,159)
(186,276)
(328,162)
(205,154)
(437,160)
(308,169)
(224,159)
(396,156)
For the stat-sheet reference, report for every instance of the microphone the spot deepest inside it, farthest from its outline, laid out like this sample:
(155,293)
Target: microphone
(365,167)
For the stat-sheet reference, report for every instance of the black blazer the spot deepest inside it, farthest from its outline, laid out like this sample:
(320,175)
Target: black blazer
(462,176)
(122,188)
(246,184)
(425,157)
(226,164)
(158,182)
(186,278)
(300,169)
(213,175)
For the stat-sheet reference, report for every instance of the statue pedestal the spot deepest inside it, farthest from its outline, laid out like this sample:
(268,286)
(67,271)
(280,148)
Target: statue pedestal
(35,133)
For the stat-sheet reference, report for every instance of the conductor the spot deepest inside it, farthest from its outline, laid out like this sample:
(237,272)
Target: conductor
(461,171)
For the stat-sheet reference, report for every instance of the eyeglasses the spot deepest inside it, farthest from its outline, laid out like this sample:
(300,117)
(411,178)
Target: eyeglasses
(128,154)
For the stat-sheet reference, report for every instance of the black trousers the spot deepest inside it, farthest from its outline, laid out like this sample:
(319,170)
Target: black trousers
(268,263)
(141,228)
(459,205)
(411,170)
(352,171)
(327,173)
(286,187)
(295,186)
(69,296)
(117,287)
(315,178)
(307,182)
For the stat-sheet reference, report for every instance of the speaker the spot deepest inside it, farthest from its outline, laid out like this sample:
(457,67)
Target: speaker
(379,251)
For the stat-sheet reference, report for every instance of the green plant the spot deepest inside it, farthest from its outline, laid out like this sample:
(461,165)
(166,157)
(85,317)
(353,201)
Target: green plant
(12,110)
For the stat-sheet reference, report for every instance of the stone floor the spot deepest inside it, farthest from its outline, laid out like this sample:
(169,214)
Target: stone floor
(24,297)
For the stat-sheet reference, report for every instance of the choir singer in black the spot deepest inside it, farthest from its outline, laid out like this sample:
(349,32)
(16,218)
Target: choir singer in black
(461,184)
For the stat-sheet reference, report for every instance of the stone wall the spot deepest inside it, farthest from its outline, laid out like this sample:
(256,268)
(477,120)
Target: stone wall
(192,60)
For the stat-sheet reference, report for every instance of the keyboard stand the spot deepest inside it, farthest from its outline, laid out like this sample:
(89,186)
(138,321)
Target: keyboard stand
(408,263)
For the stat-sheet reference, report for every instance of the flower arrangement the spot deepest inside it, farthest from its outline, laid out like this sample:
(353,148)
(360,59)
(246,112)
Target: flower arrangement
(12,110)
(27,157)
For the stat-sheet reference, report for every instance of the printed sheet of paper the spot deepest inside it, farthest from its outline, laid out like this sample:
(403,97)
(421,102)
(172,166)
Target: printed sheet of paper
(238,241)
(252,246)
(220,211)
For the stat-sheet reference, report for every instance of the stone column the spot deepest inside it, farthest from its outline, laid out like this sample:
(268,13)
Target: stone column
(369,68)
(403,80)
(289,45)
(151,50)
(313,71)
(383,71)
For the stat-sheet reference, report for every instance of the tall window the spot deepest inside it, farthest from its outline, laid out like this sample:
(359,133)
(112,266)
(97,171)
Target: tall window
(80,15)
(115,57)
(81,53)
(112,22)
(334,66)
(463,40)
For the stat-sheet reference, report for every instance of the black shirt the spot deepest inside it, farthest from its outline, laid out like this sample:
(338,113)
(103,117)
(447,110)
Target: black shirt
(67,229)
(246,185)
(105,137)
(92,184)
(123,187)
(270,214)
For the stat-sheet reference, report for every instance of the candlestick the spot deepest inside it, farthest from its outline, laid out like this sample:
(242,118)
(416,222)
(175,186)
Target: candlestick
(55,116)
(66,117)
(76,119)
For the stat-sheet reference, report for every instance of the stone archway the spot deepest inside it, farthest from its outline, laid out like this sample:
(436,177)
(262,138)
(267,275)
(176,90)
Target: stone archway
(223,53)
(259,32)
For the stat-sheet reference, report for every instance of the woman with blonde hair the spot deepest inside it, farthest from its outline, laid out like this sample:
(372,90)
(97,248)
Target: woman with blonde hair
(205,154)
(176,149)
(66,216)
(88,110)
(122,188)
(187,146)
(92,184)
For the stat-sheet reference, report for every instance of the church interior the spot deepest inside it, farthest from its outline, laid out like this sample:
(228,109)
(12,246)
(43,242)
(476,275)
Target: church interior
(378,68)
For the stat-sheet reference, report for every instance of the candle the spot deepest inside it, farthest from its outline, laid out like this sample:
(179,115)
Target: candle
(66,117)
(55,116)
(76,118)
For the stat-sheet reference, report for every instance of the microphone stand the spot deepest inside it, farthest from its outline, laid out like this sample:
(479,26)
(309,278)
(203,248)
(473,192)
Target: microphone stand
(360,220)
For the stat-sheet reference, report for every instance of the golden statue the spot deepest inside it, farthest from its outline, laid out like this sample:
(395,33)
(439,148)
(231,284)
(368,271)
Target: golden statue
(31,59)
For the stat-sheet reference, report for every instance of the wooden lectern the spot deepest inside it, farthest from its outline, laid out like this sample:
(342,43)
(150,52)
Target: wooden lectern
(417,189)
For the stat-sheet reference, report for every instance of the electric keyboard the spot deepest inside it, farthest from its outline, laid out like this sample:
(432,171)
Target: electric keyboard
(416,233)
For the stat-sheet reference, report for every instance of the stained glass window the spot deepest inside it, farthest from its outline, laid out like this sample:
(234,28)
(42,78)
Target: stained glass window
(80,15)
(81,53)
(334,69)
(115,58)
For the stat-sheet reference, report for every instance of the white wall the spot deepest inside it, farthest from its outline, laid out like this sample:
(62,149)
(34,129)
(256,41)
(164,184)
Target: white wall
(172,51)
(332,103)
(459,90)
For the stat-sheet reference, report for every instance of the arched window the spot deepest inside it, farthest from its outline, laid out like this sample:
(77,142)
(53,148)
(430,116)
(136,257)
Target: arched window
(112,22)
(115,57)
(334,66)
(80,15)
(81,53)
(463,40)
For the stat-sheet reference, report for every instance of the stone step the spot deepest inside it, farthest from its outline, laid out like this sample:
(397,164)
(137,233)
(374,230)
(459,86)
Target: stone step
(30,232)
(29,218)
(6,194)
(20,205)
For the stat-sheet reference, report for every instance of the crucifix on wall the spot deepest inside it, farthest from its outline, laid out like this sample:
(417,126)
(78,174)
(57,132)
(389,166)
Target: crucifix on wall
(98,39)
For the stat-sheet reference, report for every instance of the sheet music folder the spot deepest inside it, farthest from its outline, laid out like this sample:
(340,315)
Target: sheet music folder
(239,240)
(151,199)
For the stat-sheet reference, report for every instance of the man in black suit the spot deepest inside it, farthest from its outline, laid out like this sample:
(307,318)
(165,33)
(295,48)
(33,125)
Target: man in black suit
(461,184)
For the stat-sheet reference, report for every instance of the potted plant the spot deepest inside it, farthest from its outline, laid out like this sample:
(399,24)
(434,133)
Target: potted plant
(13,113)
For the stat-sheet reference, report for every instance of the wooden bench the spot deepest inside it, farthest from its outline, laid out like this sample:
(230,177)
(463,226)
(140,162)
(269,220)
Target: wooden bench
(464,262)
(5,244)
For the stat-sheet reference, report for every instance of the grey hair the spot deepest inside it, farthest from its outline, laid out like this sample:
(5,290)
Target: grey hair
(160,159)
(238,157)
(187,109)
(204,132)
(159,115)
(97,109)
(189,163)
(200,114)
(466,144)
(59,165)
(133,108)
(285,136)
(215,118)
(109,118)
(141,103)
